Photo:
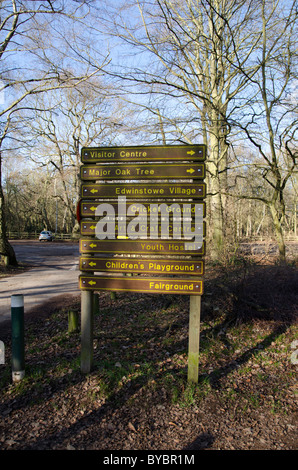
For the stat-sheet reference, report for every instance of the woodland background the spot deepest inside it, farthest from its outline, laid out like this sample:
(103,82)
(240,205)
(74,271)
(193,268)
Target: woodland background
(135,72)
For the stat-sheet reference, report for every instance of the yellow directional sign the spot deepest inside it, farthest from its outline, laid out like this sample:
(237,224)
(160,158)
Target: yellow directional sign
(142,171)
(143,153)
(119,230)
(127,246)
(155,285)
(140,191)
(143,265)
(88,209)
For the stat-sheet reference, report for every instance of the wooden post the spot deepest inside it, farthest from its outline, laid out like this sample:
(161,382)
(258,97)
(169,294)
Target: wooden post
(194,338)
(95,303)
(72,321)
(86,331)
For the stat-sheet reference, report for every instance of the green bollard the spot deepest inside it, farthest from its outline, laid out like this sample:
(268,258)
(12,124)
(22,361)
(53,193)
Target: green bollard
(18,344)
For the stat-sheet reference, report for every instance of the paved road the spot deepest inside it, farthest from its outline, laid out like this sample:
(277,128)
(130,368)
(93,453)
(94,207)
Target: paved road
(54,272)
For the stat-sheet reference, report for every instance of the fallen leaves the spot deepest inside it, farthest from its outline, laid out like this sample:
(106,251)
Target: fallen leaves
(131,427)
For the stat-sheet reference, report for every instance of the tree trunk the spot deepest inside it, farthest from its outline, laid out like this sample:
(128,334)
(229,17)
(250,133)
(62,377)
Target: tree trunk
(217,223)
(7,253)
(278,232)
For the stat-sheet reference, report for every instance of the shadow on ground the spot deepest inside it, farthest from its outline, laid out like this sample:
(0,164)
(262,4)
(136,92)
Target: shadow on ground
(139,361)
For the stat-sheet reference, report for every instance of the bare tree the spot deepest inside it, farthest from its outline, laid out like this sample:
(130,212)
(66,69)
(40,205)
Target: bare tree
(65,120)
(269,119)
(196,52)
(33,61)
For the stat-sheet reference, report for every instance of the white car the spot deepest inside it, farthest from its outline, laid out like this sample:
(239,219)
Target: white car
(45,235)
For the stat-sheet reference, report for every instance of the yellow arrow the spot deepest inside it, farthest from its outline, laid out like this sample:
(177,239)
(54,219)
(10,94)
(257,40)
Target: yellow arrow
(93,208)
(92,245)
(92,227)
(91,283)
(191,170)
(92,264)
(191,152)
(94,191)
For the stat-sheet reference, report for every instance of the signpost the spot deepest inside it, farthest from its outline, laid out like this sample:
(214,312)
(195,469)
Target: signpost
(141,213)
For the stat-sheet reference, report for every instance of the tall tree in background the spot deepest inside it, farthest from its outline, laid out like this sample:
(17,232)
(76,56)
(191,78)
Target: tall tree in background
(269,113)
(81,116)
(200,53)
(33,61)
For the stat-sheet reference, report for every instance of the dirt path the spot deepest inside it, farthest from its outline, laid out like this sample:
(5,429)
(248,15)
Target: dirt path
(137,398)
